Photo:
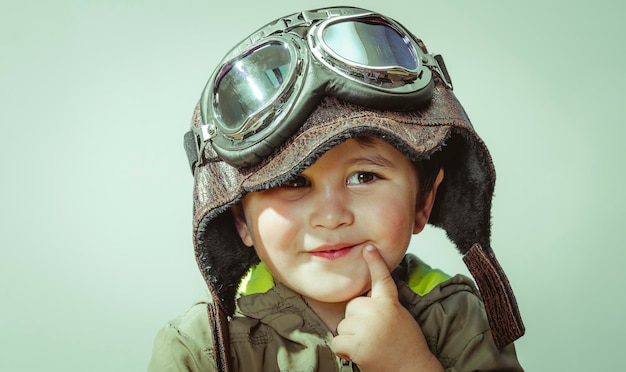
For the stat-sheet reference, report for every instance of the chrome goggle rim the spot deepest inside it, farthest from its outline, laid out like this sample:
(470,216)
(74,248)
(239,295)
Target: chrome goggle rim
(401,78)
(258,125)
(273,106)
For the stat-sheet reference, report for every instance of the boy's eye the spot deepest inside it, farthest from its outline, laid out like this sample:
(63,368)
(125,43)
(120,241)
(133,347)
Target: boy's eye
(361,177)
(295,182)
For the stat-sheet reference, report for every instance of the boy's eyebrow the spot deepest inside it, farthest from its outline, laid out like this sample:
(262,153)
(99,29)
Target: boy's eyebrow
(374,159)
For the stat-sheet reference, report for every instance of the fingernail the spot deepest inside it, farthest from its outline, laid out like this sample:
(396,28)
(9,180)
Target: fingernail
(369,248)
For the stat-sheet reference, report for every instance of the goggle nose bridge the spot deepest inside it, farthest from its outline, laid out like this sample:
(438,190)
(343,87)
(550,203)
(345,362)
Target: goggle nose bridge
(305,18)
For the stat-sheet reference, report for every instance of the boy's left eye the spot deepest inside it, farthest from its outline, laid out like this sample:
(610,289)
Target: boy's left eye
(361,177)
(296,182)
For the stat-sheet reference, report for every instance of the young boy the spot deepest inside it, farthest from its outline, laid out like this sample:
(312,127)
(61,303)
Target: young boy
(320,145)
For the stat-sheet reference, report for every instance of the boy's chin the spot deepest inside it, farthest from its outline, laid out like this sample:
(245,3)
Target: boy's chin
(336,294)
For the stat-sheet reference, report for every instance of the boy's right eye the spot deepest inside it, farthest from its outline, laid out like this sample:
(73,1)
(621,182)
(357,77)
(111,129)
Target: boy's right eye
(296,182)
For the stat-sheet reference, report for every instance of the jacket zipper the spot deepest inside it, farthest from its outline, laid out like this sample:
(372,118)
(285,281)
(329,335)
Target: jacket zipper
(346,365)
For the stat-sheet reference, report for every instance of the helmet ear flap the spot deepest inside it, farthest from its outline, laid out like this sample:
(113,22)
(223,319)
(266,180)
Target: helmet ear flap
(463,204)
(223,258)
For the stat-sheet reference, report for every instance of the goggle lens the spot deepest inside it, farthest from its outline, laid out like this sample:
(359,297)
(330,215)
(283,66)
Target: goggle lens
(370,44)
(250,83)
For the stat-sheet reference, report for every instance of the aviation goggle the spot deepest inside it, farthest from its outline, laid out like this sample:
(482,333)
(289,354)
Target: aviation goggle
(266,87)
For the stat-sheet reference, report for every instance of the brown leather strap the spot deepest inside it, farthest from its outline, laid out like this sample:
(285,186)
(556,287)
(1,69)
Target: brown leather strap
(504,316)
(221,339)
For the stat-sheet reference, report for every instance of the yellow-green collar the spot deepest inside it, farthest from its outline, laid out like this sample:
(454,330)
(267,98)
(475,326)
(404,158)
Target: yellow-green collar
(259,279)
(422,279)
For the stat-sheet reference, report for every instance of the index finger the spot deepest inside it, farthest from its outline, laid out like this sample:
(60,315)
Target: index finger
(383,285)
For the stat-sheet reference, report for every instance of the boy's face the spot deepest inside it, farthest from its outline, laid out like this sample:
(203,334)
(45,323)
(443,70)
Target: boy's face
(311,231)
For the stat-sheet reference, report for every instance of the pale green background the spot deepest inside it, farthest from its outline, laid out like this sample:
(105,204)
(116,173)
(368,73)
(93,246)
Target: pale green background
(96,194)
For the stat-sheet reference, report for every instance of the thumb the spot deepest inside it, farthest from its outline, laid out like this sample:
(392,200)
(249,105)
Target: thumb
(383,285)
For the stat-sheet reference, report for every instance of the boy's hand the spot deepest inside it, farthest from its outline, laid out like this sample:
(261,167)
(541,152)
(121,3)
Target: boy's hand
(378,333)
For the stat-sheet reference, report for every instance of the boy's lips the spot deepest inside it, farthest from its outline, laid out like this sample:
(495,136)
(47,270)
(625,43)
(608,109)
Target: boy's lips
(333,251)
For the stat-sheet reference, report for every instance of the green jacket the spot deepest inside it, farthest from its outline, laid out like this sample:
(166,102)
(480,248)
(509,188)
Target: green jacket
(275,330)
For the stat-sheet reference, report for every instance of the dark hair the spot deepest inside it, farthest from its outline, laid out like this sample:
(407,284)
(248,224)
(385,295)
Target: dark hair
(427,171)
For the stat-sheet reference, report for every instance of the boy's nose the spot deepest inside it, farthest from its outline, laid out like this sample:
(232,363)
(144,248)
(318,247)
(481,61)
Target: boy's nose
(331,208)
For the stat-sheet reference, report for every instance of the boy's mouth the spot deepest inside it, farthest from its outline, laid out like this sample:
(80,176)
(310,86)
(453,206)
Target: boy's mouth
(332,252)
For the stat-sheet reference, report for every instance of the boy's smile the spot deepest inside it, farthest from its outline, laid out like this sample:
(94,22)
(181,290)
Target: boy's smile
(332,252)
(311,230)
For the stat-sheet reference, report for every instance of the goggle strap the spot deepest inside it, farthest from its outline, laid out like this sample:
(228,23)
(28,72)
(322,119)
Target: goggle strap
(443,70)
(195,142)
(191,149)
